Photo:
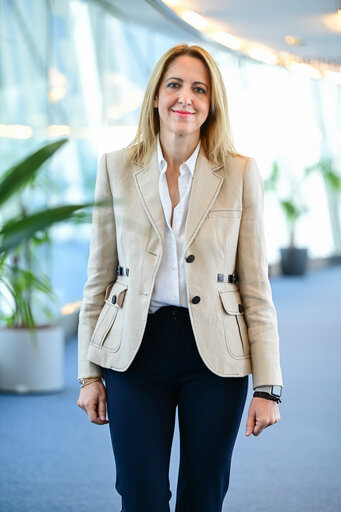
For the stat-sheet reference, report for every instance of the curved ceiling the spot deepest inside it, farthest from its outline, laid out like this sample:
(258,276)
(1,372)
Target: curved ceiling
(315,23)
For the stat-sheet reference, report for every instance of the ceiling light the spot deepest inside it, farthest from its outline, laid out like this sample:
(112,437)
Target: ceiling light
(263,55)
(172,3)
(293,41)
(194,19)
(227,40)
(305,69)
(332,22)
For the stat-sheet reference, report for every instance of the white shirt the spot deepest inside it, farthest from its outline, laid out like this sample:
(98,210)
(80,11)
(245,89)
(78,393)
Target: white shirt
(170,282)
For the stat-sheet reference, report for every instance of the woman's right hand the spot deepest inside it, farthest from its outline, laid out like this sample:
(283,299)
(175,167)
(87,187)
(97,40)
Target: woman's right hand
(92,399)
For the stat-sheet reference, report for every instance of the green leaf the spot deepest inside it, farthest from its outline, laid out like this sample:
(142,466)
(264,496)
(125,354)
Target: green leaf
(22,173)
(270,184)
(292,211)
(21,283)
(325,168)
(15,233)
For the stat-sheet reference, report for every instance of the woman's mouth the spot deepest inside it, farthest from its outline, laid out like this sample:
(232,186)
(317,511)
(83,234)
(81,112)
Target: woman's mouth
(182,113)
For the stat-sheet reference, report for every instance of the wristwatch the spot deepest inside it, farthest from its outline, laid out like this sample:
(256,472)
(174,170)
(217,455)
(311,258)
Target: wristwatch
(276,391)
(269,392)
(83,379)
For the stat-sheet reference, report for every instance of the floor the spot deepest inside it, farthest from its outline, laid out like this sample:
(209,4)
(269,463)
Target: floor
(54,460)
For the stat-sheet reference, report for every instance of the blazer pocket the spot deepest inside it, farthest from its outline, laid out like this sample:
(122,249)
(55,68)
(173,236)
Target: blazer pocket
(234,324)
(114,300)
(225,213)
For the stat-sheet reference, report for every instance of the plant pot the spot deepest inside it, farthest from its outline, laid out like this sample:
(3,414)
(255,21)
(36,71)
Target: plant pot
(25,368)
(294,261)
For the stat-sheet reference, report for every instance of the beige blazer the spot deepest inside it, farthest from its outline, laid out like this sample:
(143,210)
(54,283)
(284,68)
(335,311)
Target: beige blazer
(234,325)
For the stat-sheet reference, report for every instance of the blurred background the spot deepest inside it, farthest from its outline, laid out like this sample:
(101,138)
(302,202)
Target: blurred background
(72,79)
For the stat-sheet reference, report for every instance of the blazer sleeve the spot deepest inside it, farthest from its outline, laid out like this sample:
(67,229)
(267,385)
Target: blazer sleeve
(102,265)
(254,285)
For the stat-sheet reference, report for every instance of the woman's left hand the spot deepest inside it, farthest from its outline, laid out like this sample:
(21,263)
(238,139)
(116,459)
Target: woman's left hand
(262,413)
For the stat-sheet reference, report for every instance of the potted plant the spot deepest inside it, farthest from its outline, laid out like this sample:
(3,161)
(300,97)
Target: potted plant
(294,259)
(31,341)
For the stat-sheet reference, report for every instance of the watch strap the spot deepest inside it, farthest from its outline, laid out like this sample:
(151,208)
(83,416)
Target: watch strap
(268,396)
(84,381)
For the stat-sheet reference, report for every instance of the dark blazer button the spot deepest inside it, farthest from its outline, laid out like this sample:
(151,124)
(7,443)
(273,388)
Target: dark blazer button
(240,308)
(196,299)
(114,299)
(190,258)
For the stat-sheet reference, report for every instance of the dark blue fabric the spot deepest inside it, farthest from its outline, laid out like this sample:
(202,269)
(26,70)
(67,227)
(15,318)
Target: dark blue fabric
(168,372)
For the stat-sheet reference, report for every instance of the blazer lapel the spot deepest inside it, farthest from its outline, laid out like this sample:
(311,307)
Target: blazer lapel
(147,183)
(205,189)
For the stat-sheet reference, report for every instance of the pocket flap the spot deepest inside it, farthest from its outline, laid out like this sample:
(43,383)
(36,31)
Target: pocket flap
(231,302)
(115,293)
(225,213)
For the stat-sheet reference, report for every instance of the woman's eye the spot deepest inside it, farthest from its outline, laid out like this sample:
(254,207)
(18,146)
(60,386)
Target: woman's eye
(200,90)
(173,85)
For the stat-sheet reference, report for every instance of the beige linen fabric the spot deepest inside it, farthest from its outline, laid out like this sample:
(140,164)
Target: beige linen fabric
(235,325)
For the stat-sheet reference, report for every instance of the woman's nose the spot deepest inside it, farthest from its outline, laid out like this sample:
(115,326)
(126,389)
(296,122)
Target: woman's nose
(185,95)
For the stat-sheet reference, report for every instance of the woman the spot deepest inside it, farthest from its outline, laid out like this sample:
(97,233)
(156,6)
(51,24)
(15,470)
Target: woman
(177,309)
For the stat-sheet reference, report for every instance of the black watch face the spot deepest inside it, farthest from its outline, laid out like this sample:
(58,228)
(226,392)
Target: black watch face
(276,391)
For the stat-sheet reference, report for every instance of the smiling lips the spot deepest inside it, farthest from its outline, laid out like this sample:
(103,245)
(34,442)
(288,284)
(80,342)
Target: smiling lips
(182,113)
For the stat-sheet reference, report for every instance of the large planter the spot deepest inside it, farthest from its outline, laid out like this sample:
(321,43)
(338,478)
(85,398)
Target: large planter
(26,369)
(294,261)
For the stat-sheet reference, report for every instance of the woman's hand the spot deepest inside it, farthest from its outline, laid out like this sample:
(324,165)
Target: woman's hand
(93,399)
(262,413)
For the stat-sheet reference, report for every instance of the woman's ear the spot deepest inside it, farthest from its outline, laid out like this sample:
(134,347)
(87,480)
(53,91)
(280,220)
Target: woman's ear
(156,102)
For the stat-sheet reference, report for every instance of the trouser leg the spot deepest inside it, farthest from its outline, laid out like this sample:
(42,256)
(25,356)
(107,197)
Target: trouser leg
(141,409)
(210,410)
(168,371)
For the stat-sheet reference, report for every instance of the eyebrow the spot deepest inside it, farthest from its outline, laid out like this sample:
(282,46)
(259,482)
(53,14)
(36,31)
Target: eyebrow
(181,80)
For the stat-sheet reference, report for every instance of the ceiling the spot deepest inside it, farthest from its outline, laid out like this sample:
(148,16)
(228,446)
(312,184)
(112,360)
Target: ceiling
(263,22)
(315,22)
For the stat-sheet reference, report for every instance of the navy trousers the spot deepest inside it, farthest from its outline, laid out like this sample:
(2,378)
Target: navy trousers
(168,372)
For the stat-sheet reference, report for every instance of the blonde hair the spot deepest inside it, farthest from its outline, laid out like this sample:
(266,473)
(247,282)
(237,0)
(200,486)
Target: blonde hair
(215,133)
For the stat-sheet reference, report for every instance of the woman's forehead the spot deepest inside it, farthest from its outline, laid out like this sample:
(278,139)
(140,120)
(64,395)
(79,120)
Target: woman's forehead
(188,66)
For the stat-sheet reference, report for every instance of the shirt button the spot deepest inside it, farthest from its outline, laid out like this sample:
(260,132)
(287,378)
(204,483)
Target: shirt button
(190,258)
(196,299)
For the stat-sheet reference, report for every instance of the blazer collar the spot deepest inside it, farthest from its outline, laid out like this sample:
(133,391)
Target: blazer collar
(205,189)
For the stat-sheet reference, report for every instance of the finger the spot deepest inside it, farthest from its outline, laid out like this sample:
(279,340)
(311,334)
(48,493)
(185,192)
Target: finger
(93,414)
(261,424)
(91,411)
(102,409)
(258,429)
(98,421)
(81,405)
(250,424)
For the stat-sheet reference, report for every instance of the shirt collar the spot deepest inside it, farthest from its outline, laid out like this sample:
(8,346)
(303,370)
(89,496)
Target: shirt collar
(190,162)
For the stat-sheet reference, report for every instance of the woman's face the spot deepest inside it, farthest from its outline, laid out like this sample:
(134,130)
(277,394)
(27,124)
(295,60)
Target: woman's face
(183,99)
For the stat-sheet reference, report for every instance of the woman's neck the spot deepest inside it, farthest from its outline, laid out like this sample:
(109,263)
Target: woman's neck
(178,148)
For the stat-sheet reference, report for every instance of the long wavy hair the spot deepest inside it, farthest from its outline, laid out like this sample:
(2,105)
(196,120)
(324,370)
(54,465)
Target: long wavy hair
(215,133)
